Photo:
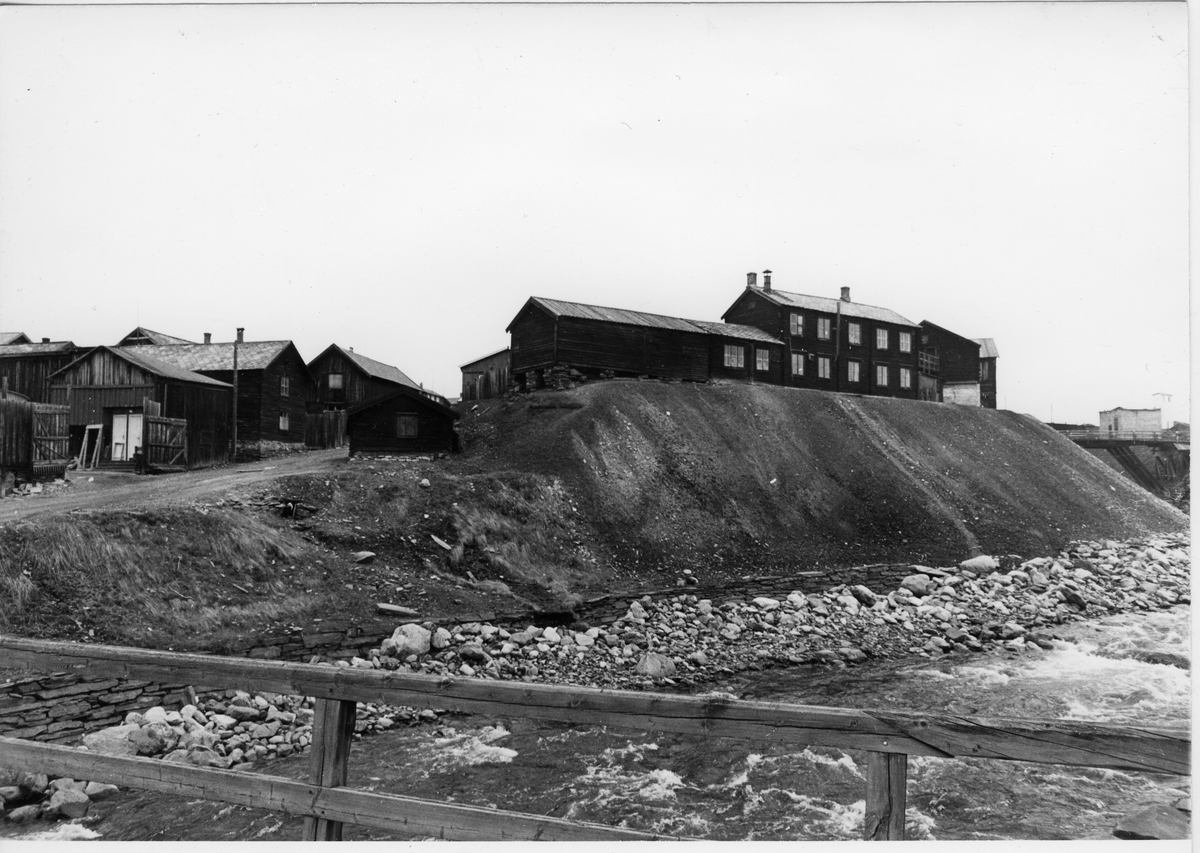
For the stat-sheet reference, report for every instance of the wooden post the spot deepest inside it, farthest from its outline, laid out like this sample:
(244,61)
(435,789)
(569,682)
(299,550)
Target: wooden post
(3,431)
(887,779)
(333,730)
(233,452)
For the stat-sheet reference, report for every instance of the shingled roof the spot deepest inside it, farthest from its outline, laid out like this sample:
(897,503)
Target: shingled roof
(140,358)
(252,355)
(987,348)
(373,368)
(14,338)
(141,336)
(52,348)
(830,305)
(558,308)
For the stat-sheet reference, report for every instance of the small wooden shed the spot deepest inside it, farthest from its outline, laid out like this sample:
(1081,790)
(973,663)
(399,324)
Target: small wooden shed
(405,420)
(485,378)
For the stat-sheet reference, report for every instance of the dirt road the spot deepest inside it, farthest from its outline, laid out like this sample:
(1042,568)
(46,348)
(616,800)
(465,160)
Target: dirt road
(116,490)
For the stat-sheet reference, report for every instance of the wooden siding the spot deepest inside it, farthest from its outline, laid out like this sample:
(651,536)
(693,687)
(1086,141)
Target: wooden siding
(373,429)
(958,357)
(749,372)
(987,387)
(260,402)
(591,346)
(486,378)
(357,385)
(87,403)
(30,374)
(206,411)
(533,336)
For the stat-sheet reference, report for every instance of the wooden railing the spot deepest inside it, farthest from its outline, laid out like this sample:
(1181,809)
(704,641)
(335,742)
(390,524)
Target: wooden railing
(1127,435)
(889,737)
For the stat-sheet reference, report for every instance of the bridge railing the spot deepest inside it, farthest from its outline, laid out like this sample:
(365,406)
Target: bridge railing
(1123,435)
(888,737)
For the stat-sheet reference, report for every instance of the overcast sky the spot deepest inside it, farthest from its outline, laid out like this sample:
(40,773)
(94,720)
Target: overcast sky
(400,179)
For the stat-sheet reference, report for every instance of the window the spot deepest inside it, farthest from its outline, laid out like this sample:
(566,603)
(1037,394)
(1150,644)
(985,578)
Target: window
(335,382)
(797,323)
(984,372)
(905,376)
(823,367)
(881,375)
(735,356)
(762,359)
(797,364)
(852,374)
(284,385)
(906,342)
(854,333)
(283,421)
(881,338)
(406,426)
(823,328)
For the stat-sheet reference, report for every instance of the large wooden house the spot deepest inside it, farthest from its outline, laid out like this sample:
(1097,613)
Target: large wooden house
(404,420)
(120,398)
(833,344)
(26,366)
(551,335)
(274,386)
(955,369)
(345,378)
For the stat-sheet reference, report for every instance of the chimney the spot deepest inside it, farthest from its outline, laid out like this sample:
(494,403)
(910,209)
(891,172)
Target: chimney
(351,349)
(45,340)
(751,279)
(845,294)
(766,281)
(239,338)
(208,337)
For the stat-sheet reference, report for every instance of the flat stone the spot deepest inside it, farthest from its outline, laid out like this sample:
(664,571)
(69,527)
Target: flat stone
(24,813)
(69,803)
(1158,822)
(363,556)
(395,609)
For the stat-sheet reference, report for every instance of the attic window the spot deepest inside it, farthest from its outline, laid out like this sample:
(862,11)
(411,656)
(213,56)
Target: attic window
(406,426)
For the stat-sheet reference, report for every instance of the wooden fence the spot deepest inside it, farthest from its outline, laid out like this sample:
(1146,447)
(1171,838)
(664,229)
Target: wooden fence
(887,736)
(325,429)
(33,437)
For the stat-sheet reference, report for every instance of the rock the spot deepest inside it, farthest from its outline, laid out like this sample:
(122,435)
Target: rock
(24,813)
(9,794)
(551,635)
(698,657)
(241,713)
(112,741)
(655,665)
(1011,630)
(980,564)
(395,609)
(157,714)
(1164,658)
(916,584)
(852,655)
(473,652)
(424,484)
(204,757)
(223,721)
(766,604)
(636,612)
(154,738)
(1160,822)
(70,803)
(363,556)
(99,790)
(864,595)
(33,783)
(1073,598)
(407,640)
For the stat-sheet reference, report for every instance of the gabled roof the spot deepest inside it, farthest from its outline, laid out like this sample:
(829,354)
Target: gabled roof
(987,348)
(828,305)
(252,355)
(371,367)
(408,391)
(580,310)
(142,336)
(482,358)
(14,338)
(52,348)
(138,357)
(963,338)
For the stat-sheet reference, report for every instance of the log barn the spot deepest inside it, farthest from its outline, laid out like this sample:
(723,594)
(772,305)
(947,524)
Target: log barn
(833,344)
(550,335)
(120,390)
(274,387)
(27,366)
(485,378)
(404,420)
(345,378)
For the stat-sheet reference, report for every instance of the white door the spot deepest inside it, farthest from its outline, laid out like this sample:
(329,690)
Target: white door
(126,436)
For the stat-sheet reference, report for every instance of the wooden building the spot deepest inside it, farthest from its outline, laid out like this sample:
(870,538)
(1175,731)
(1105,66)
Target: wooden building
(988,353)
(485,378)
(404,420)
(344,378)
(549,335)
(27,366)
(956,369)
(120,389)
(833,344)
(141,336)
(274,387)
(14,338)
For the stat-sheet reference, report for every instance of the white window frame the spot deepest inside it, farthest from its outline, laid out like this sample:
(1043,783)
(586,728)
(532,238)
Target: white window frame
(854,333)
(285,386)
(881,375)
(905,377)
(735,356)
(853,371)
(824,328)
(762,359)
(797,325)
(797,364)
(905,341)
(881,339)
(824,367)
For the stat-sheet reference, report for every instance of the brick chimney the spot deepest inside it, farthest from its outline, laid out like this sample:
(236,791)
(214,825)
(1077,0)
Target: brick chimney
(239,337)
(751,279)
(45,340)
(766,281)
(208,337)
(845,294)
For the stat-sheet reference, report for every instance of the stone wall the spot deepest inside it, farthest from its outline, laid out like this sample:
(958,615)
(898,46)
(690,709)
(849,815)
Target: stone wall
(62,706)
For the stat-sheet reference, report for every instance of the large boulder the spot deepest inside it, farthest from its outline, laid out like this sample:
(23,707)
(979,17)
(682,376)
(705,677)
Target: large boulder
(407,640)
(917,584)
(981,564)
(655,665)
(69,802)
(154,738)
(112,741)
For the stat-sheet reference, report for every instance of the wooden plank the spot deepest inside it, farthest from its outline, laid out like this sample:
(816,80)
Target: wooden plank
(391,812)
(1055,742)
(333,732)
(887,783)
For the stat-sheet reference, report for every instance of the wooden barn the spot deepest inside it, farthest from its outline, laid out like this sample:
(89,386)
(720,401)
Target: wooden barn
(404,420)
(274,387)
(549,335)
(955,369)
(14,338)
(345,378)
(833,344)
(485,378)
(141,336)
(27,366)
(120,400)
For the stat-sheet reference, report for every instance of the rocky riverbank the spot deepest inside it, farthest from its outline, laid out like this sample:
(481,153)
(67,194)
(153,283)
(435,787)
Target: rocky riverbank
(681,642)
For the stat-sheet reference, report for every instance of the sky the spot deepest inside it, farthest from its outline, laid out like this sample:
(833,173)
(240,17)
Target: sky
(401,178)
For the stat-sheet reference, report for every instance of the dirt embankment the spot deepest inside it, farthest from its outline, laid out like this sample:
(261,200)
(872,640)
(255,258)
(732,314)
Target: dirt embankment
(735,479)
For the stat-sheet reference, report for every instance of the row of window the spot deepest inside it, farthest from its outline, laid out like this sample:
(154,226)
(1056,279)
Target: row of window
(853,333)
(735,356)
